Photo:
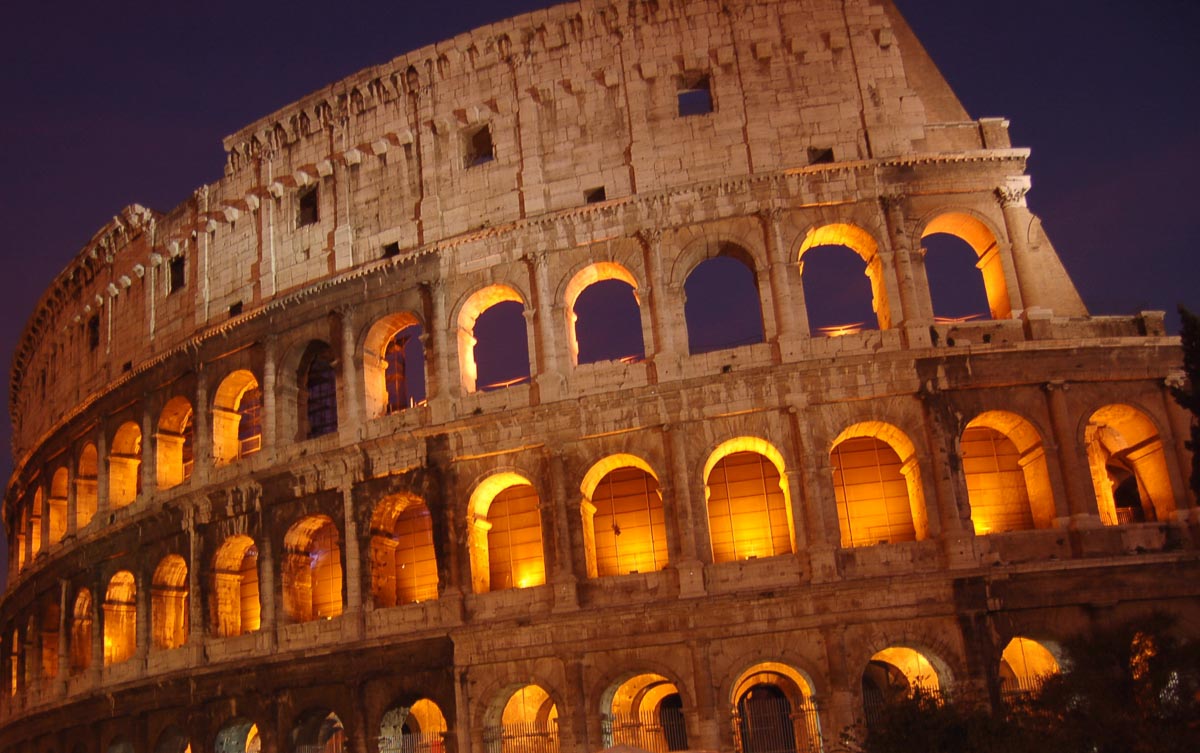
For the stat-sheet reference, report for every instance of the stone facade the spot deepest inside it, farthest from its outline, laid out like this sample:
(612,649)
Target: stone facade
(218,490)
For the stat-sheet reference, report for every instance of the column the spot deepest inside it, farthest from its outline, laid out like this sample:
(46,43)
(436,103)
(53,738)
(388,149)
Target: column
(149,465)
(72,494)
(666,356)
(142,605)
(788,322)
(98,596)
(202,444)
(563,577)
(916,307)
(197,624)
(1181,430)
(267,589)
(352,571)
(350,414)
(1016,224)
(1073,461)
(102,507)
(270,425)
(65,609)
(704,731)
(689,564)
(551,375)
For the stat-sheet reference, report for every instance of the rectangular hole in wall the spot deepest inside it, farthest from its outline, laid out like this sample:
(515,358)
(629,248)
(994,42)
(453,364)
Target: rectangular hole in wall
(695,95)
(390,250)
(820,156)
(307,206)
(235,309)
(479,147)
(177,279)
(594,195)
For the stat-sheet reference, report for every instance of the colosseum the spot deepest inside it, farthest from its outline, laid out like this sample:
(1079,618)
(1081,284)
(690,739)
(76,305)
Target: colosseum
(417,431)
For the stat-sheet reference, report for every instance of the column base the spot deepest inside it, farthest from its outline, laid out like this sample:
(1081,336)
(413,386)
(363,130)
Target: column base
(566,596)
(691,579)
(822,565)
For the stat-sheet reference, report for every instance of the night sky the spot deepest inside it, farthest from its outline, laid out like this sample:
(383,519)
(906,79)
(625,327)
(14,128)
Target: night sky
(108,104)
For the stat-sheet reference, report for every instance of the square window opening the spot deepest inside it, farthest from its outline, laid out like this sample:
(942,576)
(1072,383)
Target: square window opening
(479,147)
(695,95)
(307,207)
(93,331)
(820,156)
(235,309)
(178,273)
(390,250)
(595,195)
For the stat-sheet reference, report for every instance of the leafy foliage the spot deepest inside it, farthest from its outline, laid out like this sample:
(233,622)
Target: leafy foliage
(1188,395)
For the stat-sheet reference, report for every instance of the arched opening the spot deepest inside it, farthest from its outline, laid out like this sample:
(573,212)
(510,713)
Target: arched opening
(403,559)
(124,465)
(877,486)
(493,347)
(173,740)
(837,301)
(624,526)
(237,418)
(120,618)
(419,728)
(50,640)
(1129,468)
(57,506)
(721,305)
(773,711)
(174,458)
(168,603)
(312,570)
(81,632)
(120,745)
(317,380)
(234,608)
(86,485)
(1008,483)
(748,501)
(35,523)
(895,674)
(955,295)
(527,723)
(238,736)
(18,540)
(644,712)
(394,365)
(604,318)
(1025,665)
(505,535)
(318,731)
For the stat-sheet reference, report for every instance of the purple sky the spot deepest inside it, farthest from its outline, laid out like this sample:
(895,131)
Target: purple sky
(107,104)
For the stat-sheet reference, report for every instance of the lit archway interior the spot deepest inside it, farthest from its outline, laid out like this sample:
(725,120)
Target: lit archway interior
(877,486)
(86,485)
(169,603)
(81,632)
(57,506)
(317,393)
(894,674)
(312,570)
(234,606)
(174,458)
(237,418)
(645,712)
(773,710)
(505,534)
(403,559)
(124,465)
(1008,482)
(722,307)
(49,634)
(835,299)
(419,728)
(394,365)
(120,618)
(623,523)
(1025,665)
(748,501)
(528,723)
(603,315)
(479,303)
(35,522)
(318,731)
(1128,466)
(982,243)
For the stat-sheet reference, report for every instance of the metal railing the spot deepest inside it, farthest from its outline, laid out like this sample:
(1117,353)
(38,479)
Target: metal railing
(875,705)
(656,732)
(413,742)
(522,737)
(774,725)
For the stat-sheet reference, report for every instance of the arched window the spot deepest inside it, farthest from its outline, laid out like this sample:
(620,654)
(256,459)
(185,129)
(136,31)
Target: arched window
(234,605)
(81,631)
(174,459)
(1129,468)
(124,465)
(493,347)
(774,711)
(721,302)
(894,674)
(505,535)
(318,392)
(527,723)
(1025,665)
(312,570)
(877,485)
(318,731)
(403,562)
(961,240)
(747,501)
(624,526)
(120,618)
(57,505)
(1008,483)
(394,365)
(644,712)
(35,522)
(837,299)
(86,485)
(604,321)
(237,418)
(168,603)
(419,728)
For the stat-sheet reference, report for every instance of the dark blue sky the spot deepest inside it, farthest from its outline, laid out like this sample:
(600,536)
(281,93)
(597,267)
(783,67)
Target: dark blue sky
(107,104)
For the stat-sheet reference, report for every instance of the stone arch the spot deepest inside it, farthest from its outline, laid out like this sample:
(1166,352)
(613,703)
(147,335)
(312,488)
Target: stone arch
(56,505)
(877,485)
(1026,663)
(624,526)
(169,603)
(522,719)
(86,485)
(738,269)
(174,443)
(982,239)
(897,672)
(468,314)
(391,352)
(119,744)
(504,534)
(312,570)
(419,727)
(596,272)
(1128,465)
(317,391)
(403,556)
(172,740)
(81,631)
(124,465)
(234,607)
(773,710)
(237,417)
(120,618)
(1008,480)
(317,731)
(748,500)
(866,246)
(644,710)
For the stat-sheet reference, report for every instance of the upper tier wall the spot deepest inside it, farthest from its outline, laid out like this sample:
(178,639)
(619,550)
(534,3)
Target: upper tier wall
(575,98)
